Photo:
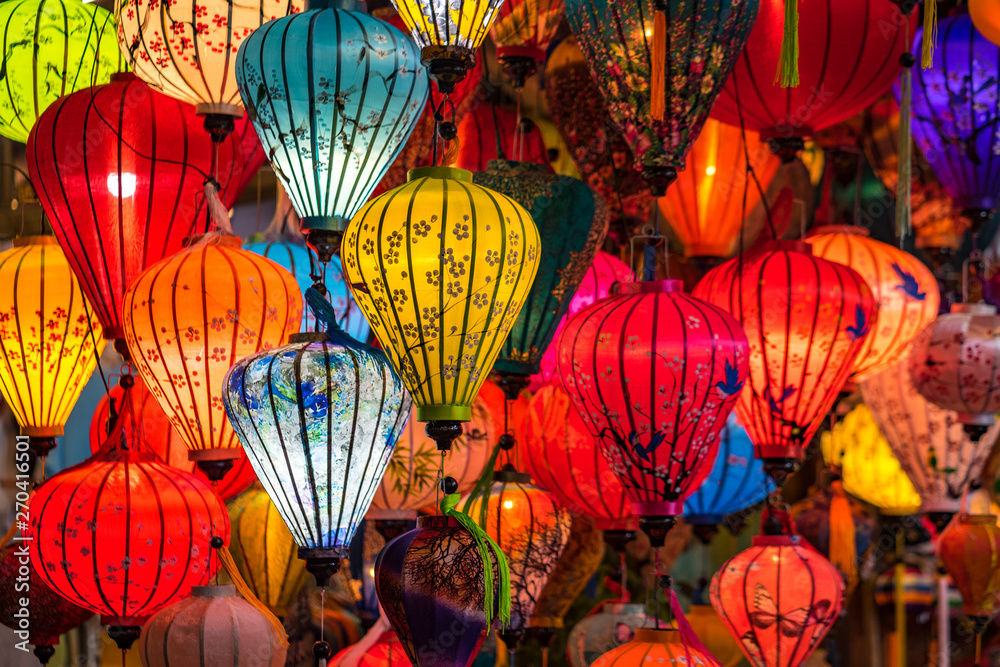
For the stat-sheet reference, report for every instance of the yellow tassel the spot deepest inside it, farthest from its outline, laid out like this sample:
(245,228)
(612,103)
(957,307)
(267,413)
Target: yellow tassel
(229,565)
(451,152)
(658,84)
(930,33)
(842,551)
(788,60)
(5,540)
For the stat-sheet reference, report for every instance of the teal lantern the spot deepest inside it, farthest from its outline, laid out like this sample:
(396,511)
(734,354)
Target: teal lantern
(334,94)
(572,222)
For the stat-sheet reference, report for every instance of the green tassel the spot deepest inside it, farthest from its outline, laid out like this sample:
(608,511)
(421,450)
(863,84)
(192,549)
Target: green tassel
(484,542)
(483,487)
(788,61)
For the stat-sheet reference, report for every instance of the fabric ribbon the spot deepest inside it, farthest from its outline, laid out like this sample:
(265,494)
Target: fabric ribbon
(788,60)
(658,80)
(216,209)
(688,636)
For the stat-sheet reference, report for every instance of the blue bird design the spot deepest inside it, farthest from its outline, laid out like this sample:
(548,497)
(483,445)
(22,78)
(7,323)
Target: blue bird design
(860,327)
(733,384)
(644,451)
(908,284)
(776,405)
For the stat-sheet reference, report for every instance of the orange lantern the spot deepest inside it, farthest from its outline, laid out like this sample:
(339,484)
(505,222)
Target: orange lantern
(189,317)
(985,15)
(705,206)
(654,646)
(904,287)
(969,548)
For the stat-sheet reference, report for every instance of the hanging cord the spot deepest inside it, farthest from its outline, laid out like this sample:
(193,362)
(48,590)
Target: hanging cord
(904,166)
(97,356)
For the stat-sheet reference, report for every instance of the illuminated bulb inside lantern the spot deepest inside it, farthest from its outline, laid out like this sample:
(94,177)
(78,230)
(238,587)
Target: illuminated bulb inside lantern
(508,504)
(124,188)
(649,33)
(710,171)
(371,572)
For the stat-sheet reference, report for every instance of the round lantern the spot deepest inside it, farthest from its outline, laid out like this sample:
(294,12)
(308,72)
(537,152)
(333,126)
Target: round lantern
(938,456)
(50,49)
(713,633)
(955,361)
(831,88)
(522,32)
(318,418)
(130,190)
(490,132)
(613,625)
(571,222)
(969,549)
(705,207)
(334,95)
(653,645)
(214,626)
(222,304)
(264,551)
(655,374)
(906,291)
(986,17)
(806,319)
(759,592)
(444,287)
(49,339)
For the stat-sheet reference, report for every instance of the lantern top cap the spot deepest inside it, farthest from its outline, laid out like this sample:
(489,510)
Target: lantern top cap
(217,591)
(853,230)
(452,173)
(775,541)
(974,308)
(657,636)
(37,239)
(648,287)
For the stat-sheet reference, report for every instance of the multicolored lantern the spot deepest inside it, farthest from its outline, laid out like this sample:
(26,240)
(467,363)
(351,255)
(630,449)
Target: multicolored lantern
(443,287)
(49,338)
(522,32)
(490,132)
(806,319)
(969,549)
(655,374)
(51,49)
(611,626)
(654,645)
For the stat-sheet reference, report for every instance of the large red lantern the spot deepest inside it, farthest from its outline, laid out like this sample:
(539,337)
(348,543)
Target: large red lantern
(806,319)
(120,170)
(655,373)
(969,549)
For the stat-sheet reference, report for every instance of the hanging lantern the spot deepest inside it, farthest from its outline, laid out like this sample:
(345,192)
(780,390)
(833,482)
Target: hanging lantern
(49,339)
(214,626)
(264,551)
(130,191)
(906,291)
(490,132)
(330,131)
(51,49)
(938,456)
(614,625)
(654,373)
(986,17)
(386,651)
(319,418)
(954,364)
(661,118)
(572,222)
(806,319)
(444,335)
(778,599)
(830,89)
(969,549)
(653,645)
(713,632)
(706,208)
(522,32)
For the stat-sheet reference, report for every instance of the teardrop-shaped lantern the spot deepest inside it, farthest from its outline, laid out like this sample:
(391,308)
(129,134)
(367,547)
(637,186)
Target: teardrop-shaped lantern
(334,95)
(318,418)
(522,32)
(441,267)
(655,373)
(49,338)
(969,549)
(572,222)
(806,319)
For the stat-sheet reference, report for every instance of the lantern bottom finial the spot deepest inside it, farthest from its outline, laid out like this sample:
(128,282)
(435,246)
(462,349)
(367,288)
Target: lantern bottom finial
(124,635)
(215,470)
(511,384)
(44,652)
(786,148)
(977,217)
(705,532)
(657,527)
(322,563)
(940,519)
(41,445)
(447,65)
(659,178)
(511,637)
(518,68)
(443,432)
(617,539)
(976,431)
(326,242)
(781,468)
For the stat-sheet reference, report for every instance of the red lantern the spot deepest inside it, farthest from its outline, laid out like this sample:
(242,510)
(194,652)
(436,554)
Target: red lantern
(253,159)
(655,373)
(120,170)
(969,548)
(489,130)
(806,319)
(778,599)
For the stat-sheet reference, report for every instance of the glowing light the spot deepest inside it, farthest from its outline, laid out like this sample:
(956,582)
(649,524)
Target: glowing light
(710,171)
(508,504)
(123,188)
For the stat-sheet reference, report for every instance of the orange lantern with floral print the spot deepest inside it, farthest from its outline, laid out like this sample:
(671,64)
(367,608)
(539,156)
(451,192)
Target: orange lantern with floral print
(969,549)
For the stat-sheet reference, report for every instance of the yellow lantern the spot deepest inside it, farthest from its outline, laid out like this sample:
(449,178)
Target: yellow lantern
(441,267)
(49,338)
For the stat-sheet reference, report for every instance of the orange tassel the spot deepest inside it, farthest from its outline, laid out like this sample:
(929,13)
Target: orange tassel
(842,551)
(658,84)
(451,152)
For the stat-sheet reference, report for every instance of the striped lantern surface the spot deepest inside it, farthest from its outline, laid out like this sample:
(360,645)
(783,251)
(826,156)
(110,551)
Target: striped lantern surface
(653,645)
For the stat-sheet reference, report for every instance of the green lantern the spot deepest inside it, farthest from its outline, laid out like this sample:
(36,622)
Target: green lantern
(51,48)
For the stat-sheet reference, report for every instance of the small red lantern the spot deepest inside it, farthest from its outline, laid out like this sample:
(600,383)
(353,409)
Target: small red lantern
(969,548)
(488,131)
(806,319)
(655,373)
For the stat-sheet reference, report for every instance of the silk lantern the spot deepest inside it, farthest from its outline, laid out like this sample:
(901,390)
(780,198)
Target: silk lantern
(654,645)
(49,338)
(610,625)
(522,32)
(319,418)
(655,374)
(954,364)
(214,626)
(572,222)
(385,651)
(442,285)
(120,170)
(906,291)
(50,49)
(489,132)
(778,599)
(806,319)
(845,64)
(969,549)
(334,95)
(986,18)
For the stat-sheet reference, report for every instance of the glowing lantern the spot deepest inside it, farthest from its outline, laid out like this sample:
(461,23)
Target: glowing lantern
(522,32)
(330,131)
(489,132)
(655,374)
(759,591)
(705,206)
(955,361)
(969,549)
(130,191)
(386,651)
(620,43)
(443,288)
(985,15)
(653,645)
(906,291)
(49,341)
(51,49)
(611,626)
(806,319)
(830,89)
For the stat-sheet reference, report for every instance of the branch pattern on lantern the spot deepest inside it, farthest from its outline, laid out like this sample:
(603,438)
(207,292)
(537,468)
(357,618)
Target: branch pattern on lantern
(448,22)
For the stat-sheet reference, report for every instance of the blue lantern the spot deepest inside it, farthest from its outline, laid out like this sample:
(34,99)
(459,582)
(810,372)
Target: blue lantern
(334,95)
